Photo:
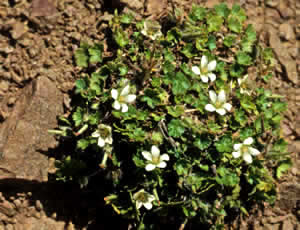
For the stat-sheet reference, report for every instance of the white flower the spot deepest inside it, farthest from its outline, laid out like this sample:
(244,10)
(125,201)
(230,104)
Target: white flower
(103,134)
(244,150)
(122,99)
(218,103)
(205,70)
(155,159)
(143,198)
(151,29)
(243,85)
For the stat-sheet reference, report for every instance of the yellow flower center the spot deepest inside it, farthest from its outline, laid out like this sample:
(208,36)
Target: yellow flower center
(142,197)
(155,160)
(244,149)
(204,70)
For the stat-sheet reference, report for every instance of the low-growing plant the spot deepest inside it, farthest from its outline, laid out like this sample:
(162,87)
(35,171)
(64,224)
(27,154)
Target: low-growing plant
(177,116)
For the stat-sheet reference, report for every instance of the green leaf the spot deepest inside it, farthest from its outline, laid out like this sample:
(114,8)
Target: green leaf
(175,111)
(202,142)
(283,167)
(197,13)
(227,177)
(238,13)
(243,58)
(250,33)
(188,50)
(180,84)
(212,42)
(80,85)
(224,144)
(246,132)
(82,144)
(240,117)
(95,53)
(81,57)
(138,161)
(234,25)
(123,70)
(222,10)
(126,18)
(121,38)
(168,67)
(229,40)
(175,128)
(77,116)
(236,70)
(214,23)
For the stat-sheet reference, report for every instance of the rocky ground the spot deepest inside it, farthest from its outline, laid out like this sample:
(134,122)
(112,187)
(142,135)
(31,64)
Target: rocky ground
(37,42)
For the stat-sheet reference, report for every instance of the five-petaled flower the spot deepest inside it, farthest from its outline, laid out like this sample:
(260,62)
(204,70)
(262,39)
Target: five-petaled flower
(218,103)
(205,70)
(103,134)
(244,150)
(143,198)
(122,99)
(155,159)
(151,29)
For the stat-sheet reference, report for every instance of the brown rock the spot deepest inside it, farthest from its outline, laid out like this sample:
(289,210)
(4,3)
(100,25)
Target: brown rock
(25,132)
(7,209)
(284,58)
(285,11)
(287,224)
(271,227)
(287,32)
(42,8)
(18,30)
(272,3)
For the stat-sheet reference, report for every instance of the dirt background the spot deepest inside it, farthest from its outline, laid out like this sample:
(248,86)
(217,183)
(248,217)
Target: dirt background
(37,43)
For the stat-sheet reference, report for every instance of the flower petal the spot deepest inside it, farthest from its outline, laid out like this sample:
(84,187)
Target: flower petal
(165,157)
(114,94)
(212,65)
(204,78)
(221,111)
(150,167)
(109,140)
(248,141)
(151,198)
(222,96)
(96,134)
(101,142)
(253,151)
(210,108)
(138,204)
(240,81)
(247,157)
(212,77)
(116,105)
(162,164)
(196,70)
(236,154)
(227,106)
(212,96)
(147,205)
(124,108)
(155,151)
(125,91)
(130,98)
(237,146)
(204,61)
(147,155)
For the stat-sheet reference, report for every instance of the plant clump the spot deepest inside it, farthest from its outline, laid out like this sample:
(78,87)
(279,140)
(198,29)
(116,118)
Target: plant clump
(177,114)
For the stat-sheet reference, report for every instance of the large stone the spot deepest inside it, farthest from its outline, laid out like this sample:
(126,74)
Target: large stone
(286,31)
(24,135)
(284,58)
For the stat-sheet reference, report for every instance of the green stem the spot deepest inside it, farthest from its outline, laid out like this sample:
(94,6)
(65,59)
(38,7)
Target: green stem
(82,130)
(104,160)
